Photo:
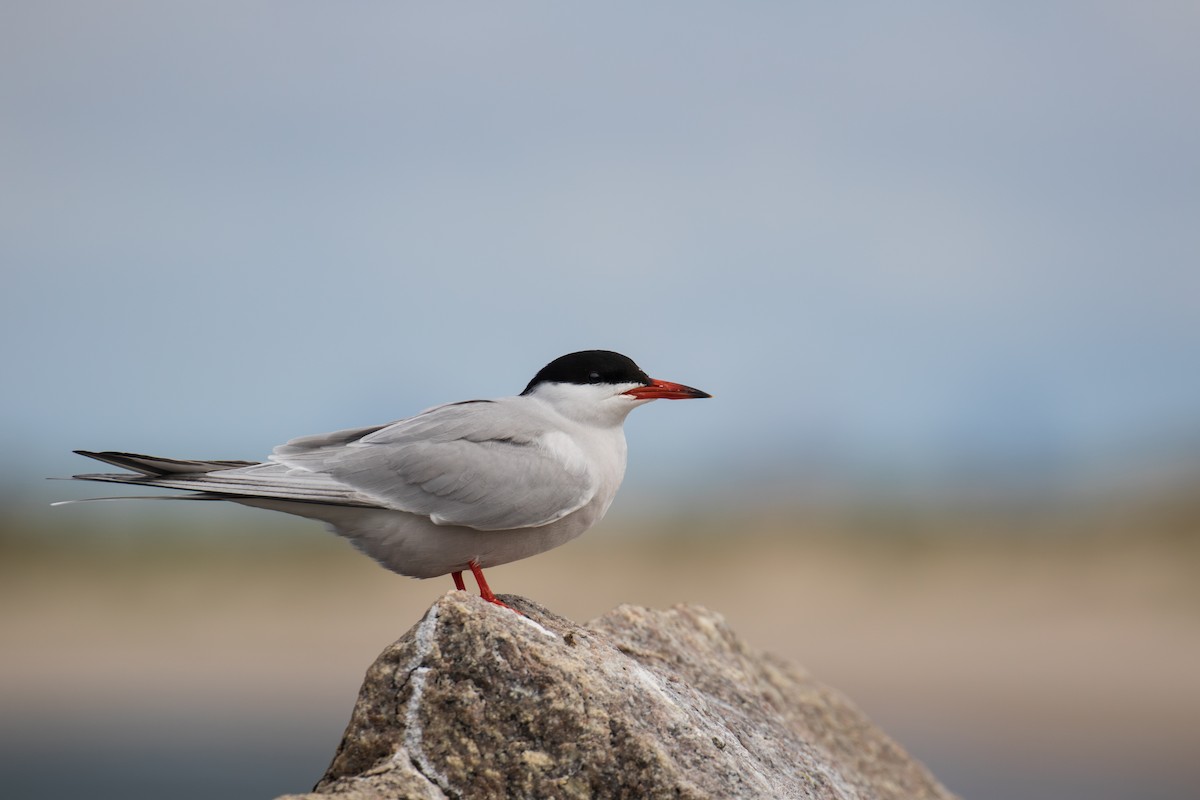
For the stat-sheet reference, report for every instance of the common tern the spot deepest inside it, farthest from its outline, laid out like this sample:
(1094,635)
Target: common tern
(458,487)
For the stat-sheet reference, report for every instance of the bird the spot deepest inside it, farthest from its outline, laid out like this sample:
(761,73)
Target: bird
(457,487)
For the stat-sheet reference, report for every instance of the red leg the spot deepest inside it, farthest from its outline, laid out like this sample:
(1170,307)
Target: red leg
(458,581)
(484,590)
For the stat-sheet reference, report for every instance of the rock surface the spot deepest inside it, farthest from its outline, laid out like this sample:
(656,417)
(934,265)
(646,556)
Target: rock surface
(478,702)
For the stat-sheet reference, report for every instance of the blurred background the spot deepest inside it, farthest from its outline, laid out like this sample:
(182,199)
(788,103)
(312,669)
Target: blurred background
(937,263)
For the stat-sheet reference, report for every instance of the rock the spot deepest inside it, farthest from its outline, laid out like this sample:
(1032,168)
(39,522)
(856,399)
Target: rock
(478,702)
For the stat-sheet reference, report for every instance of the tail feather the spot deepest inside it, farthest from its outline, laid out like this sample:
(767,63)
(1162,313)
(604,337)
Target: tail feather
(226,479)
(198,496)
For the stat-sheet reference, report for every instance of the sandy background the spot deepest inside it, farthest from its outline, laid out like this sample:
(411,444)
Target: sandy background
(1056,660)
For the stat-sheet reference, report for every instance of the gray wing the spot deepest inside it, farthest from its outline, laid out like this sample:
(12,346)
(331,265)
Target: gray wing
(484,464)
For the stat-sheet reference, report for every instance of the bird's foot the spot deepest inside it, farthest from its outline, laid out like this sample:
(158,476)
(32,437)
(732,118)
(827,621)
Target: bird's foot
(485,591)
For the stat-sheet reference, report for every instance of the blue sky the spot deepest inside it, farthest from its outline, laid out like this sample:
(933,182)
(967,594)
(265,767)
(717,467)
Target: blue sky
(890,238)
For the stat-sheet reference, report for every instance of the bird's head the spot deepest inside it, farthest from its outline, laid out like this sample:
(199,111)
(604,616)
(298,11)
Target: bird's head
(602,385)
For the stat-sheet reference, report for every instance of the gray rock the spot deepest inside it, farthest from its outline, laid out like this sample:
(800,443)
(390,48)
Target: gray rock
(479,702)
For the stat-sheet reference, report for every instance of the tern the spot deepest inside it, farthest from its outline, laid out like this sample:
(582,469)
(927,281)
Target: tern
(457,487)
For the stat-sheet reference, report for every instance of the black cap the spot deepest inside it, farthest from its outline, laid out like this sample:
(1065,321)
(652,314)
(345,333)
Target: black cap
(590,366)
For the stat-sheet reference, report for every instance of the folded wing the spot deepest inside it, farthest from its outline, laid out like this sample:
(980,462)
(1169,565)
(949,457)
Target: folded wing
(479,464)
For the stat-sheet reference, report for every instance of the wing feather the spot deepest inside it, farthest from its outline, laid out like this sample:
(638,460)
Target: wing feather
(259,480)
(483,465)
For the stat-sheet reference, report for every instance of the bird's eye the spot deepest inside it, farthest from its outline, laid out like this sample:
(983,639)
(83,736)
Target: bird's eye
(594,377)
